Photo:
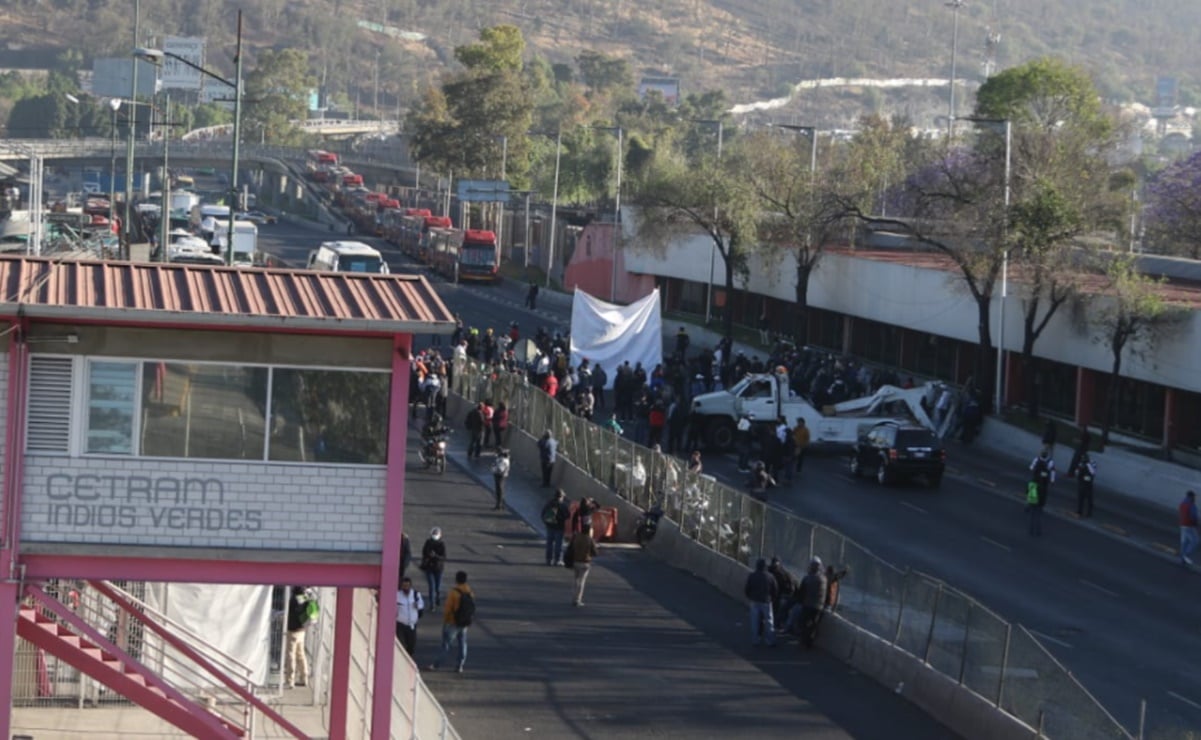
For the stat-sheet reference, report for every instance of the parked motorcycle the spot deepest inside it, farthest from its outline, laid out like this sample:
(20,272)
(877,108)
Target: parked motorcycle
(432,453)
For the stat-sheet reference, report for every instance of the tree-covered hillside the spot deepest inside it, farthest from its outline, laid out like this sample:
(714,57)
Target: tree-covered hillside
(752,49)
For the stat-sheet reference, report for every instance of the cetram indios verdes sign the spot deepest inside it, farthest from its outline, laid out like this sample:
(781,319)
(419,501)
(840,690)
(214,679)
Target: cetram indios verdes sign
(142,502)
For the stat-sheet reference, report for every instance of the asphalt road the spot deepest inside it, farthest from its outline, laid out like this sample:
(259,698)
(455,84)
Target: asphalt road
(1103,595)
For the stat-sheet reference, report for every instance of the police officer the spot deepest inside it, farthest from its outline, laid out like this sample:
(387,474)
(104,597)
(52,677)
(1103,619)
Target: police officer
(1086,473)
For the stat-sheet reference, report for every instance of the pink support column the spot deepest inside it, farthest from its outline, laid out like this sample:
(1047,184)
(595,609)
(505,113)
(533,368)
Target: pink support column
(385,628)
(339,688)
(10,520)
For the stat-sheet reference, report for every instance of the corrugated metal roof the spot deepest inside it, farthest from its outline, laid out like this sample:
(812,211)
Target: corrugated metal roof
(202,295)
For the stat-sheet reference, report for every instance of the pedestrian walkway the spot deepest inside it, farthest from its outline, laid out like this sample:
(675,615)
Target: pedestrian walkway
(655,651)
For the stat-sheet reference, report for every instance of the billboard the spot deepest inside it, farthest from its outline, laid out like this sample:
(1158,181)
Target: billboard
(111,78)
(177,75)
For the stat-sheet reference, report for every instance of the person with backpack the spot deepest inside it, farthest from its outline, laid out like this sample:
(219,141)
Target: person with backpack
(500,471)
(302,609)
(554,516)
(433,560)
(457,617)
(1042,471)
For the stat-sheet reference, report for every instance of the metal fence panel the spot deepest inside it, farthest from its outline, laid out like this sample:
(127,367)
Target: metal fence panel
(946,651)
(920,604)
(870,595)
(1037,690)
(787,537)
(983,651)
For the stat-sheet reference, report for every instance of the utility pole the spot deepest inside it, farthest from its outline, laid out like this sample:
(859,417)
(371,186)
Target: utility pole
(127,252)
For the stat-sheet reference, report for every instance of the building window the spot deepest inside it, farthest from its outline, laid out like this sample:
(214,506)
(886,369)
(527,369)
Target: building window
(206,411)
(112,399)
(197,410)
(329,416)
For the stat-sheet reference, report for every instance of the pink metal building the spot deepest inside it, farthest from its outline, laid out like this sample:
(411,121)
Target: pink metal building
(190,424)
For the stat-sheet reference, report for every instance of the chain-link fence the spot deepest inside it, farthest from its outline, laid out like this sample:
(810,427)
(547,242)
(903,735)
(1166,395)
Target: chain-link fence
(917,613)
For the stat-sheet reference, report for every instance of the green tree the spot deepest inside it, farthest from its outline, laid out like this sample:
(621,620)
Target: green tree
(276,94)
(1059,183)
(1128,314)
(475,124)
(714,197)
(601,72)
(803,216)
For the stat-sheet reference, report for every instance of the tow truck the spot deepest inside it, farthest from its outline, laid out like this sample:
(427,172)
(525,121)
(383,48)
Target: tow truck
(766,397)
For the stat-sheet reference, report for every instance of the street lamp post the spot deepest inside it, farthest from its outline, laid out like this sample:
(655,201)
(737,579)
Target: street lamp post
(713,246)
(554,201)
(165,209)
(955,6)
(156,56)
(114,104)
(616,207)
(500,207)
(129,158)
(1007,127)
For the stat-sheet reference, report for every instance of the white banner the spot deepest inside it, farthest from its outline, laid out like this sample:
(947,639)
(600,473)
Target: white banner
(609,335)
(175,74)
(233,620)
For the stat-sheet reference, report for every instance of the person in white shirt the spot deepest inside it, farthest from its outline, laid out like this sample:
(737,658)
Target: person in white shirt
(409,606)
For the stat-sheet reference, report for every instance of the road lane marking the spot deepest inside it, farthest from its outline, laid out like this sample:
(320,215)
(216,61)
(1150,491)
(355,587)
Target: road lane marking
(994,543)
(1114,528)
(915,507)
(1190,702)
(1048,638)
(1164,548)
(1102,589)
(986,482)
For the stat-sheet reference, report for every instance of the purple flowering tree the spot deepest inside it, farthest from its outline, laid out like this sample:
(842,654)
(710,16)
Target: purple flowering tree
(1172,214)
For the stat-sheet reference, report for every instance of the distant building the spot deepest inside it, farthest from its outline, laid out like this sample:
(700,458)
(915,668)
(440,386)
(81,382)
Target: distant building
(668,87)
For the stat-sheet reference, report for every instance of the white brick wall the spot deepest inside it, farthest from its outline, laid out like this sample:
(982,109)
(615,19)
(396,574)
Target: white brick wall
(263,506)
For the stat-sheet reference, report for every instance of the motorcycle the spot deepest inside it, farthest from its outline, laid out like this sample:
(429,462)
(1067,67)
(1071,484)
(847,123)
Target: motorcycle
(432,453)
(649,524)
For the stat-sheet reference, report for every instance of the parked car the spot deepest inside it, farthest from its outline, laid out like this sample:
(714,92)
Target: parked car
(257,217)
(893,450)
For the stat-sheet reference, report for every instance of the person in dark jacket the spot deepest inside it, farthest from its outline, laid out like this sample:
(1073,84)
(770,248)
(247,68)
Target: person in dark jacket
(555,514)
(500,424)
(548,450)
(785,587)
(475,430)
(296,661)
(808,604)
(761,592)
(433,561)
(406,555)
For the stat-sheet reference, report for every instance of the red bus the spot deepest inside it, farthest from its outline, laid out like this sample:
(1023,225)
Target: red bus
(464,255)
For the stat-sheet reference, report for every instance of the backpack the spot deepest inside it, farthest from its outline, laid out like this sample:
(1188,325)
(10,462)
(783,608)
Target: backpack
(550,514)
(466,610)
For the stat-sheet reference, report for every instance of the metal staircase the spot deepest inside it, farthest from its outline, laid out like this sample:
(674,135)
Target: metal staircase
(52,626)
(127,647)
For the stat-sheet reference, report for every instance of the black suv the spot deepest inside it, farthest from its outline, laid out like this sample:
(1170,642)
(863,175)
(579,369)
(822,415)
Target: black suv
(894,450)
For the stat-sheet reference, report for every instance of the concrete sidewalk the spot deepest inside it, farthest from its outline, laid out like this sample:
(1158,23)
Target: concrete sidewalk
(655,651)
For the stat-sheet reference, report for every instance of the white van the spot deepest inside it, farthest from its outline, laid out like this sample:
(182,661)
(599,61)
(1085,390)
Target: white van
(347,257)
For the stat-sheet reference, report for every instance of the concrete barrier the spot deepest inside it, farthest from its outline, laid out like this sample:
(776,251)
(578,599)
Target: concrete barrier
(956,706)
